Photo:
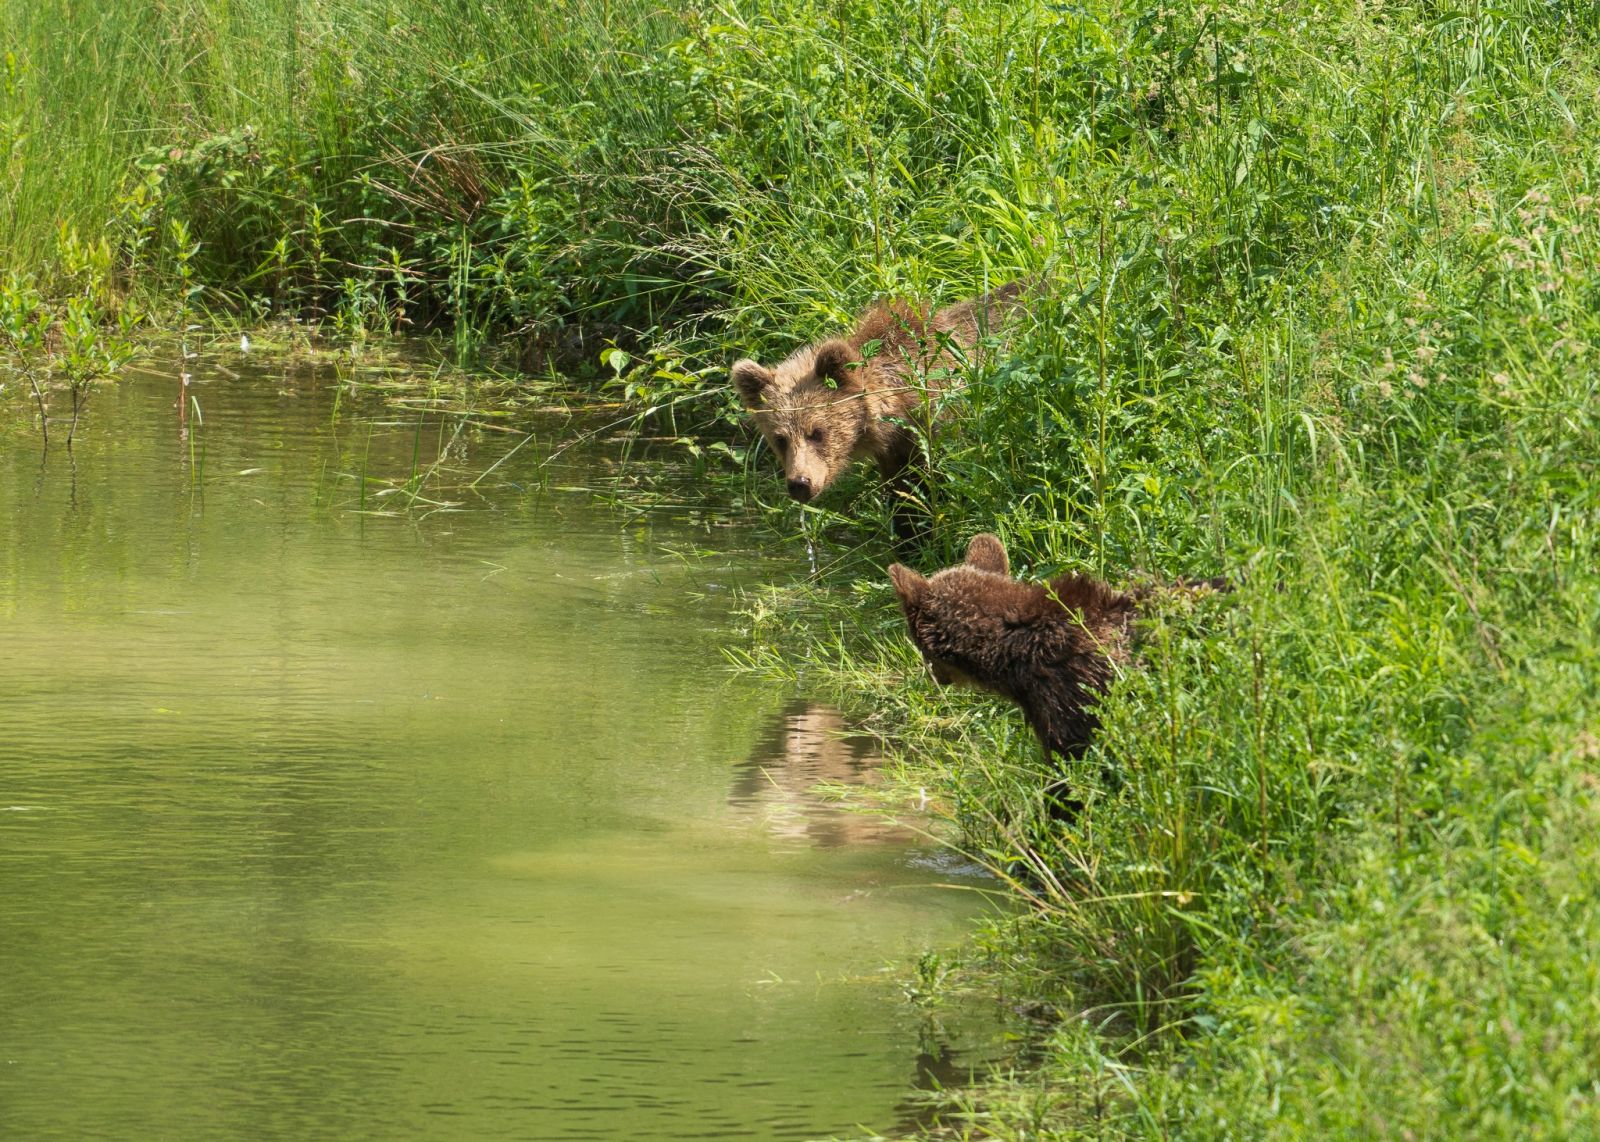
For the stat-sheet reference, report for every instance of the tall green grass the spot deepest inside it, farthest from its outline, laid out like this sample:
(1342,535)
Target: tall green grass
(1318,310)
(357,163)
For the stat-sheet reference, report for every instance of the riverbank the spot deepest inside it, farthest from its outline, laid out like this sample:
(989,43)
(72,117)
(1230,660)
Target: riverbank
(1322,316)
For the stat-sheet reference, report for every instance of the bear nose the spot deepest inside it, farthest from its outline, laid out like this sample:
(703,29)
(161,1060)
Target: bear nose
(800,488)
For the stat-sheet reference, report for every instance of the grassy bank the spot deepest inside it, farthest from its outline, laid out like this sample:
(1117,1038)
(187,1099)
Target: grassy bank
(1322,313)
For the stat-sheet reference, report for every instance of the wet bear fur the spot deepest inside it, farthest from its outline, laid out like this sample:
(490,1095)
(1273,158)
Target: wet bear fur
(843,399)
(1052,648)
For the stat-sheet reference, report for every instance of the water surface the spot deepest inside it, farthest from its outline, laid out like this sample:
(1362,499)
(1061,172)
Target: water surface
(329,811)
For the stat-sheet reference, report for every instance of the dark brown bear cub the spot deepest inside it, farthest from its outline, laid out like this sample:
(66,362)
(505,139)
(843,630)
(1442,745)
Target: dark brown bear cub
(848,397)
(1052,648)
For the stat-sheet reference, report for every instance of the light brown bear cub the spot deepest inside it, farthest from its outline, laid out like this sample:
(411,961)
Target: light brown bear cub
(1052,648)
(826,405)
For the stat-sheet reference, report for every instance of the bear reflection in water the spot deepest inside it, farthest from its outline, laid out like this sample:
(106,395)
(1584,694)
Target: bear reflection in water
(806,746)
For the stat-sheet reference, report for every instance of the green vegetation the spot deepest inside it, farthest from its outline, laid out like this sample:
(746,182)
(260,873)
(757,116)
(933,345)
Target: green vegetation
(1323,312)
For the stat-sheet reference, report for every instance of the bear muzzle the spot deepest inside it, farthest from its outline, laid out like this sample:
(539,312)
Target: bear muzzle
(946,674)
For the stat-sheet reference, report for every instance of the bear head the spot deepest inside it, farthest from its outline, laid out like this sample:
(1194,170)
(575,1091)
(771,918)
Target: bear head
(812,410)
(960,616)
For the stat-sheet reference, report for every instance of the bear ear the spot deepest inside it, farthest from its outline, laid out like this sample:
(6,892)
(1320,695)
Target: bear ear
(833,359)
(750,378)
(908,585)
(986,553)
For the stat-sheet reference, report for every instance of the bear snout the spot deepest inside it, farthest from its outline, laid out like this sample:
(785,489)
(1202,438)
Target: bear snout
(800,488)
(947,675)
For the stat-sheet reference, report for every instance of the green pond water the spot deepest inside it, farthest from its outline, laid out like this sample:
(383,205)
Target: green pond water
(322,822)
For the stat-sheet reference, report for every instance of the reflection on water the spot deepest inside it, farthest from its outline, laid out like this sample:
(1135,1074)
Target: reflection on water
(364,776)
(807,745)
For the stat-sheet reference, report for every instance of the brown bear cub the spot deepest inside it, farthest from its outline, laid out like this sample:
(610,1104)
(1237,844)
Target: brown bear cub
(847,397)
(1052,648)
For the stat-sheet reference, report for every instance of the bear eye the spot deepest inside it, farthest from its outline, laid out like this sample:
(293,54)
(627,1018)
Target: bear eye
(782,443)
(815,435)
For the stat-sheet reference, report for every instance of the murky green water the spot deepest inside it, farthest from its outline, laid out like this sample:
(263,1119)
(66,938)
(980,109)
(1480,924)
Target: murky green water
(323,823)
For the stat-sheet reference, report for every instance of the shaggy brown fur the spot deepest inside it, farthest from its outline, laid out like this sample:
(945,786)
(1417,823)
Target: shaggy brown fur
(839,400)
(1049,647)
(1052,648)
